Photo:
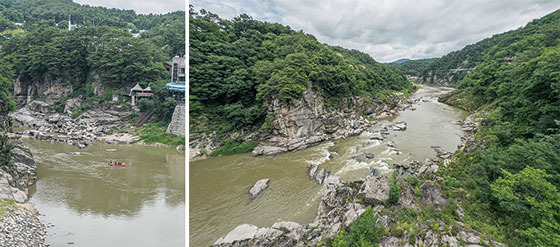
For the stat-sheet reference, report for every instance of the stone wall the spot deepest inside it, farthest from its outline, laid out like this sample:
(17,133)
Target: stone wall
(177,125)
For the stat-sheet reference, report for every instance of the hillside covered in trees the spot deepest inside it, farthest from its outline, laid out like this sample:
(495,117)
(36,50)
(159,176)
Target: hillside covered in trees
(510,187)
(117,47)
(413,67)
(544,31)
(237,65)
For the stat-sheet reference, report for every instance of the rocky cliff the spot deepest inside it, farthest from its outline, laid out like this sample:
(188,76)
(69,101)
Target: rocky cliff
(19,221)
(307,121)
(17,176)
(53,89)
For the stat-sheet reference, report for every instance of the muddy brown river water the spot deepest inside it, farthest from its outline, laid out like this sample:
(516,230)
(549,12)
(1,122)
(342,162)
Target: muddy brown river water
(218,186)
(84,202)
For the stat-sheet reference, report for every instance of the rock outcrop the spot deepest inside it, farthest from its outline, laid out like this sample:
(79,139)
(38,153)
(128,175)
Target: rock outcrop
(432,195)
(21,173)
(344,202)
(305,122)
(375,190)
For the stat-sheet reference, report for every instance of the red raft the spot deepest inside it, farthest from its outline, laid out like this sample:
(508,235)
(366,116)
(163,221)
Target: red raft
(117,164)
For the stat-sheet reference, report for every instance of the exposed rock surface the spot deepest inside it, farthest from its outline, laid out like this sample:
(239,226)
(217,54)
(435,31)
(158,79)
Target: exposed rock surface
(343,202)
(17,177)
(307,121)
(20,226)
(72,105)
(432,195)
(375,190)
(81,131)
(259,187)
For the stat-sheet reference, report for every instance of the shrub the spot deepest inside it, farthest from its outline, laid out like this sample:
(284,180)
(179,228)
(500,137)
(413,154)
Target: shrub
(233,146)
(394,193)
(155,133)
(77,113)
(363,232)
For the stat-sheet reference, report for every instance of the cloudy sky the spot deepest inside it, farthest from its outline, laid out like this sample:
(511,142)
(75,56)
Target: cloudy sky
(140,6)
(391,29)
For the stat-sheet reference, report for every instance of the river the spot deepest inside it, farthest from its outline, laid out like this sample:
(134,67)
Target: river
(85,202)
(218,187)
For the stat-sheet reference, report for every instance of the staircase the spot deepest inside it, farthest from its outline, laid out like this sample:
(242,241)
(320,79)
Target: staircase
(144,117)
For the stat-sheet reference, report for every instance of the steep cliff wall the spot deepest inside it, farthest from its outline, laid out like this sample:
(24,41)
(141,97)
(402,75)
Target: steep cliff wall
(21,173)
(298,125)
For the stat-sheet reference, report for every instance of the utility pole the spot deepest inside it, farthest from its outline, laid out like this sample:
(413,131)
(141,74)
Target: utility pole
(69,22)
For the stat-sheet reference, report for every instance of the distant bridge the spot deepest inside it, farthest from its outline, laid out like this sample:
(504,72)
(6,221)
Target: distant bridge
(457,70)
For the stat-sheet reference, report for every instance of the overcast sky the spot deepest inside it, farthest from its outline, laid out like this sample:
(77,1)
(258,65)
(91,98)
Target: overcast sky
(140,6)
(391,29)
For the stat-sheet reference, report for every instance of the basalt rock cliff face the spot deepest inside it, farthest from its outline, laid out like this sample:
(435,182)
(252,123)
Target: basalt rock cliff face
(307,121)
(55,88)
(51,88)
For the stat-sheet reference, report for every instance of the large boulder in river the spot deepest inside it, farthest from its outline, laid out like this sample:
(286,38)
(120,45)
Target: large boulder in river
(399,126)
(432,195)
(375,190)
(259,186)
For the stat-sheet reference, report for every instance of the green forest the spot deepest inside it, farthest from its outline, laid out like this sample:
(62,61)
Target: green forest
(513,180)
(237,65)
(413,67)
(36,44)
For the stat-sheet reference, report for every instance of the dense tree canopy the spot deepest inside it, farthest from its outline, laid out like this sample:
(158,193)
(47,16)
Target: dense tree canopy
(413,67)
(119,46)
(514,182)
(236,65)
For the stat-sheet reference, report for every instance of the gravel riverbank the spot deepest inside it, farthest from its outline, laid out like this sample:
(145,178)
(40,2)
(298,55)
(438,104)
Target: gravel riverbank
(20,225)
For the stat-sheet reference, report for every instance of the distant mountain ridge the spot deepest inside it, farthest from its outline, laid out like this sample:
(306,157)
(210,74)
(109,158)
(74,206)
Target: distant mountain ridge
(402,60)
(412,67)
(472,55)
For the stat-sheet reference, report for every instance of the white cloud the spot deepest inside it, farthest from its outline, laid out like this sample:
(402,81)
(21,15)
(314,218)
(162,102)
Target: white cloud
(140,7)
(391,29)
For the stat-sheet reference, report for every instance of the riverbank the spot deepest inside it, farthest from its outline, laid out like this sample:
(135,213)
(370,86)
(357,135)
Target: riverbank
(113,126)
(20,225)
(19,220)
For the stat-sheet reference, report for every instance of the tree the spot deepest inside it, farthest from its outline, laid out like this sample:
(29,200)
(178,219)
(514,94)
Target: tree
(531,203)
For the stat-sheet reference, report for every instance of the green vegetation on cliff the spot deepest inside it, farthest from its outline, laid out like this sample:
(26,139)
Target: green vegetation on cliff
(510,188)
(237,65)
(116,48)
(518,44)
